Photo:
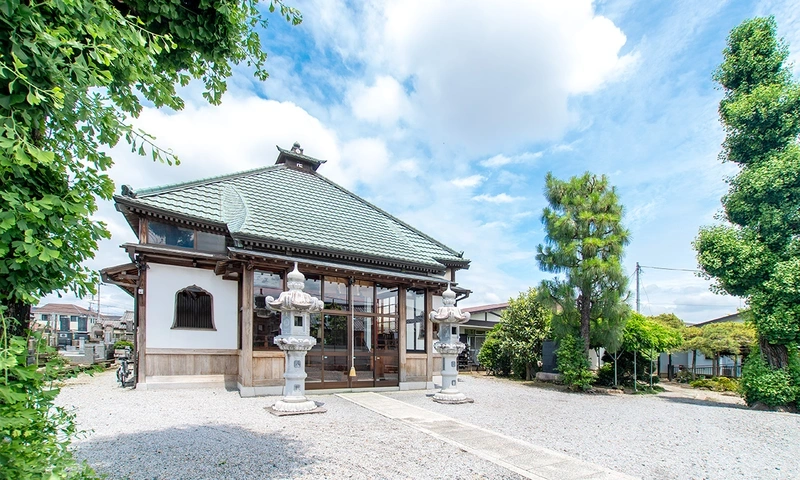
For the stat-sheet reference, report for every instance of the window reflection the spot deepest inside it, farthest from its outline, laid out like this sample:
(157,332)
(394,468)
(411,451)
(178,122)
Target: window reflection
(363,296)
(335,333)
(415,320)
(266,322)
(336,293)
(437,302)
(162,234)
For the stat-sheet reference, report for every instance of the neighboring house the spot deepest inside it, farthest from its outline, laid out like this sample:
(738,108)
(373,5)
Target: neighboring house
(114,328)
(210,251)
(67,323)
(704,365)
(482,319)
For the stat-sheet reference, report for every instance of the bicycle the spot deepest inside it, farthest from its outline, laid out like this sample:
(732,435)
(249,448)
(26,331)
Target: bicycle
(124,372)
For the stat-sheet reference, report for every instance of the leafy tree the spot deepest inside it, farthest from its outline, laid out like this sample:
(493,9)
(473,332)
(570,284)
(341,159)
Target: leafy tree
(649,337)
(669,320)
(74,73)
(691,339)
(524,325)
(492,356)
(584,242)
(35,432)
(724,339)
(757,254)
(646,338)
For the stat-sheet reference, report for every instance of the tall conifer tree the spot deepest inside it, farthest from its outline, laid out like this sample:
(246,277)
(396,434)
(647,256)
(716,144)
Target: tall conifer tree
(756,253)
(584,243)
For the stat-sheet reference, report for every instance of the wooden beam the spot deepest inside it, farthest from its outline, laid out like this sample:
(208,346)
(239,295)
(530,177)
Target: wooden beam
(246,356)
(429,332)
(401,326)
(142,230)
(141,331)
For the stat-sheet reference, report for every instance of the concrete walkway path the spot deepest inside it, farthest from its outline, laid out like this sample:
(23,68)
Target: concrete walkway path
(520,457)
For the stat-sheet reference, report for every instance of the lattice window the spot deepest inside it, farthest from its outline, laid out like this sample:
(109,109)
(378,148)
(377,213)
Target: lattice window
(194,308)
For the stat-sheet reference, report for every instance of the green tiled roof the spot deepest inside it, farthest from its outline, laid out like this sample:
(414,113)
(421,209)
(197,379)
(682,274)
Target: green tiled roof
(300,208)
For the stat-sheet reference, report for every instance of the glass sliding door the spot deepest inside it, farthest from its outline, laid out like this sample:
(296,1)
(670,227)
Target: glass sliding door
(327,364)
(357,329)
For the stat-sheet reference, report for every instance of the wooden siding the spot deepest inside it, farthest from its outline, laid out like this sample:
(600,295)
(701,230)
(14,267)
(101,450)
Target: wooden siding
(198,362)
(416,367)
(268,368)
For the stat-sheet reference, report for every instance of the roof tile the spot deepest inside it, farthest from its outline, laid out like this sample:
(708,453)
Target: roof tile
(286,205)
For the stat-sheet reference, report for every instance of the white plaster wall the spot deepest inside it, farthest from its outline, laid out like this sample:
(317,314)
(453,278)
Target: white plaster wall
(163,282)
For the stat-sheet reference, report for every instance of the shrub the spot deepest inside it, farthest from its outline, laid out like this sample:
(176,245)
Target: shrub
(718,384)
(35,434)
(605,375)
(492,357)
(123,344)
(761,383)
(573,364)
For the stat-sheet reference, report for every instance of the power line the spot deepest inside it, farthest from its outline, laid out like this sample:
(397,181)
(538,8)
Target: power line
(673,269)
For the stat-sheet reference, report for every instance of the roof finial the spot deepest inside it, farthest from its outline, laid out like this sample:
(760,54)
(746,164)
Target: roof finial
(296,148)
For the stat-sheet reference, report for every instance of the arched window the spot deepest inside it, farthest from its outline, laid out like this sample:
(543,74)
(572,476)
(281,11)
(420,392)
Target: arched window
(194,308)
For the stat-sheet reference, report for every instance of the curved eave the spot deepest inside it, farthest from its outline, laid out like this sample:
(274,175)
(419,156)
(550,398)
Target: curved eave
(348,256)
(132,209)
(413,279)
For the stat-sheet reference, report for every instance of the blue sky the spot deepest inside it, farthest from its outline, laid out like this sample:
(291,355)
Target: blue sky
(449,115)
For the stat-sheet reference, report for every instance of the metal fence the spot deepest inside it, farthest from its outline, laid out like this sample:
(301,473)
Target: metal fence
(724,371)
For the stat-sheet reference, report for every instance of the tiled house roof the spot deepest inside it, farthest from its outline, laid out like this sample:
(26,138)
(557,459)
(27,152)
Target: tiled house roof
(62,309)
(326,217)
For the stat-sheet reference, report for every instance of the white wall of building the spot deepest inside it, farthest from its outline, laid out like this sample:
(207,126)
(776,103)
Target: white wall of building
(163,282)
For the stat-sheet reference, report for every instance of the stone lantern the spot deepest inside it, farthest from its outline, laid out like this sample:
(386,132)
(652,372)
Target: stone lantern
(449,317)
(296,308)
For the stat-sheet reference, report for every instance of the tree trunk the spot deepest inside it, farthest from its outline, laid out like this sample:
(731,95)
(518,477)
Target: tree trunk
(776,355)
(528,371)
(18,318)
(694,363)
(586,311)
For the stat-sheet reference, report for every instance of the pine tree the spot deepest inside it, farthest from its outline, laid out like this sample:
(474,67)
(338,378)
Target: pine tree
(584,242)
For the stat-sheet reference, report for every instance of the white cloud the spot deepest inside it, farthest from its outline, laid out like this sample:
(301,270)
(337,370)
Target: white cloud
(471,181)
(496,161)
(501,160)
(493,73)
(499,198)
(384,102)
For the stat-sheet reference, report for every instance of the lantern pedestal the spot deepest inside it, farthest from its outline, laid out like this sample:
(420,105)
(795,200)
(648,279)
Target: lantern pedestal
(449,392)
(294,392)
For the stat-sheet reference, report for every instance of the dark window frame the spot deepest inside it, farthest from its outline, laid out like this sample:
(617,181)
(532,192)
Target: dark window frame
(194,231)
(424,323)
(266,316)
(210,306)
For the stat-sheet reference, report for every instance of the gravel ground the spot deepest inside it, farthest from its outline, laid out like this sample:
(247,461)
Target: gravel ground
(675,435)
(213,433)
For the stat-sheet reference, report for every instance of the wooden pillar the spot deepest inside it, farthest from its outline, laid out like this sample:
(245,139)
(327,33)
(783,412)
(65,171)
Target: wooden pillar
(429,332)
(246,353)
(401,330)
(141,329)
(142,230)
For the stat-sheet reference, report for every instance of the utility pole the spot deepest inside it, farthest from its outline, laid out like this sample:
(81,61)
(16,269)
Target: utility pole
(638,269)
(635,377)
